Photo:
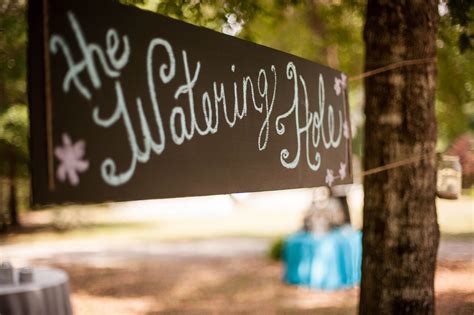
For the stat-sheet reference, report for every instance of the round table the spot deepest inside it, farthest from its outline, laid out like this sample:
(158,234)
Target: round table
(329,261)
(48,294)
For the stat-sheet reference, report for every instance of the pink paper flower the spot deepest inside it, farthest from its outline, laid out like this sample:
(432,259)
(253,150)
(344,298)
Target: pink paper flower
(71,162)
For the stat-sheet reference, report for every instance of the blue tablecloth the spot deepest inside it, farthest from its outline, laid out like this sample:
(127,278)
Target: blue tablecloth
(329,261)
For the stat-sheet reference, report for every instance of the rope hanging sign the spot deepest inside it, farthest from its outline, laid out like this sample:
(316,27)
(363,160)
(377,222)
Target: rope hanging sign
(127,105)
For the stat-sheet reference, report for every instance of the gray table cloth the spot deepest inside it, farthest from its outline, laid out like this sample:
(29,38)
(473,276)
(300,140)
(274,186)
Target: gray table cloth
(48,294)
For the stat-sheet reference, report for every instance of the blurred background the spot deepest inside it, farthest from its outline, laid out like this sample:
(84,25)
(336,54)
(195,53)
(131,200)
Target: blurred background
(212,253)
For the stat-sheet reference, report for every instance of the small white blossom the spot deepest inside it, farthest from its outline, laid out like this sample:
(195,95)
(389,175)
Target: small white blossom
(340,84)
(343,80)
(71,162)
(346,131)
(337,86)
(342,170)
(330,177)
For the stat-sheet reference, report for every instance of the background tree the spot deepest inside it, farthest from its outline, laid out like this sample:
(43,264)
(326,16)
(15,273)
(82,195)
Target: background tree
(13,147)
(13,115)
(455,89)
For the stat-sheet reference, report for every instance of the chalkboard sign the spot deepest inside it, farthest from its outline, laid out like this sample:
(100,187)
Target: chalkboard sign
(127,104)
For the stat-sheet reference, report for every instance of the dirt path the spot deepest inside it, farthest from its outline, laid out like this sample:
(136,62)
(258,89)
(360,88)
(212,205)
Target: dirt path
(456,250)
(102,252)
(232,286)
(214,276)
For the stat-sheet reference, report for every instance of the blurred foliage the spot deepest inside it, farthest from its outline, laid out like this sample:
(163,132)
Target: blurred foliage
(213,14)
(14,130)
(461,17)
(13,113)
(327,32)
(455,86)
(463,147)
(318,24)
(12,53)
(22,194)
(276,249)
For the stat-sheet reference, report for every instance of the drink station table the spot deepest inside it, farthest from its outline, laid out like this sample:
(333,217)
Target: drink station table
(329,261)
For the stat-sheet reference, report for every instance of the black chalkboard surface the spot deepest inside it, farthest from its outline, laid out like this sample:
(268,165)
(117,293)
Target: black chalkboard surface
(126,104)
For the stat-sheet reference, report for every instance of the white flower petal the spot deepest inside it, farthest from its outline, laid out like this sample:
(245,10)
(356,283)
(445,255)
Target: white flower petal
(81,165)
(337,86)
(79,148)
(59,153)
(345,128)
(342,170)
(73,178)
(61,173)
(329,177)
(66,140)
(343,80)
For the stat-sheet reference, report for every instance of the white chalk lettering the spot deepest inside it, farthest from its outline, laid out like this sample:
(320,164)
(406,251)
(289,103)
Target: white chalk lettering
(313,123)
(181,78)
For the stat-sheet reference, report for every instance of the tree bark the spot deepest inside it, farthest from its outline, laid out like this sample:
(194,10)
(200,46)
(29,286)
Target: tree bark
(400,230)
(3,217)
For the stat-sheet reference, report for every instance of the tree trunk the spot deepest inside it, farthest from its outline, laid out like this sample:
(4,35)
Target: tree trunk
(3,217)
(12,203)
(400,232)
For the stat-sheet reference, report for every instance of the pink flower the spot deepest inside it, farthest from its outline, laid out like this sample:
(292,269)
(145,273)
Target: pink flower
(71,162)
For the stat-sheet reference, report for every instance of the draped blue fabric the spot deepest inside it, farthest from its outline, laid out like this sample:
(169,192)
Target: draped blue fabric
(329,261)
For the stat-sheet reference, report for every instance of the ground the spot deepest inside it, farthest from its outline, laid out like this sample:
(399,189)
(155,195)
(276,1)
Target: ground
(208,258)
(232,286)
